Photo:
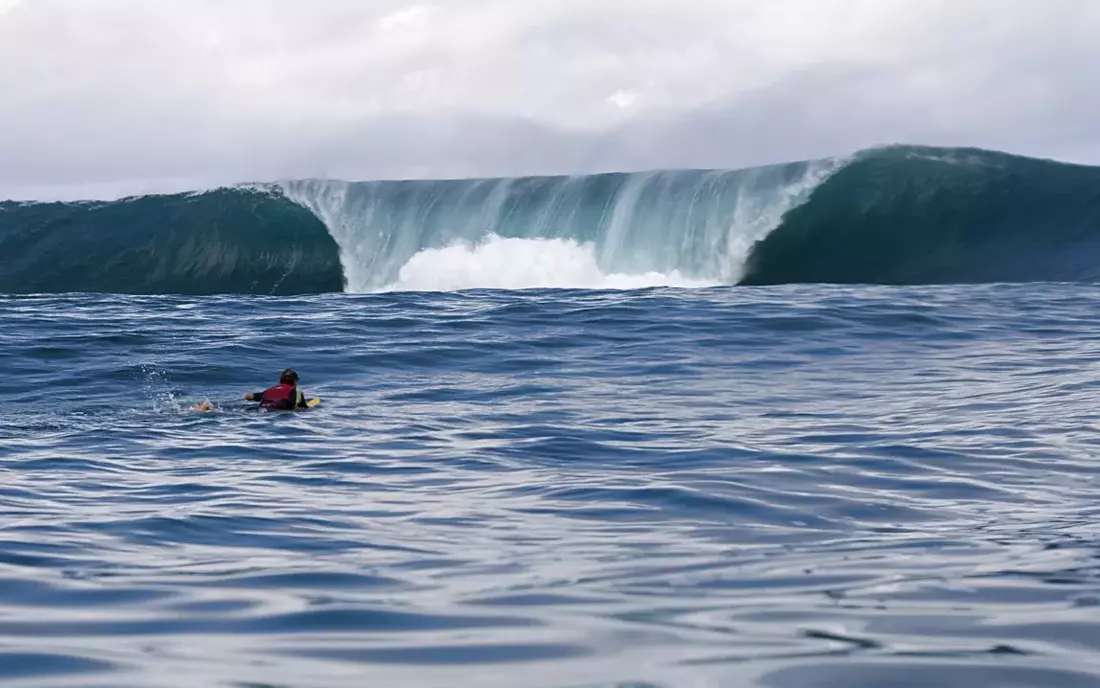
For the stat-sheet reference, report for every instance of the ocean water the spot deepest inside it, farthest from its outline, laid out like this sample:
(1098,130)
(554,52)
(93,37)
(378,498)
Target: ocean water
(779,486)
(681,429)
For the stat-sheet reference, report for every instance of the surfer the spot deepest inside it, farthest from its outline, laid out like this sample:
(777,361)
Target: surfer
(284,396)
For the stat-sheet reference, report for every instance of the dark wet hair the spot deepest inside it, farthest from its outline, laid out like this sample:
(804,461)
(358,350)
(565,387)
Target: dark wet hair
(289,377)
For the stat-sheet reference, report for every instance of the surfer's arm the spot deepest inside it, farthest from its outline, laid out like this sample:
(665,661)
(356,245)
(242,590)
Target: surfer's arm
(254,396)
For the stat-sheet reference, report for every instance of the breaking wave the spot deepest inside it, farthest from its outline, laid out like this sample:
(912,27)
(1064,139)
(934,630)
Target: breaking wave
(652,228)
(897,215)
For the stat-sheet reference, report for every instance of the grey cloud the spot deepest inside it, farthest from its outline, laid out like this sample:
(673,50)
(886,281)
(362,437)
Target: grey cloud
(197,92)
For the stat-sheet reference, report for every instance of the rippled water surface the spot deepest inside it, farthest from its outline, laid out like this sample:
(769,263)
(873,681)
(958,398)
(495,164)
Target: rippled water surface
(733,487)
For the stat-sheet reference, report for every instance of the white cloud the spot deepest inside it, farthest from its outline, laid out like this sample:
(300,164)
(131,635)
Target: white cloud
(623,99)
(130,89)
(416,14)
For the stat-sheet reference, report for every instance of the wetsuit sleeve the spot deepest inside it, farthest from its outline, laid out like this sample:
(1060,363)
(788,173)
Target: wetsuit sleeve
(302,400)
(257,396)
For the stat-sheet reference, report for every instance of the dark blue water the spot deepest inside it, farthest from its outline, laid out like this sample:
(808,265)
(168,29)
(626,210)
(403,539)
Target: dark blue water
(783,487)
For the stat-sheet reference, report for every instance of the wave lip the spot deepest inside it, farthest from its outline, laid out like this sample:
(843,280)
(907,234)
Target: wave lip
(676,228)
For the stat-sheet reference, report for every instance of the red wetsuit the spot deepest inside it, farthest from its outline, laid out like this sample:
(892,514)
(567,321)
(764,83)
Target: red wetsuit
(281,397)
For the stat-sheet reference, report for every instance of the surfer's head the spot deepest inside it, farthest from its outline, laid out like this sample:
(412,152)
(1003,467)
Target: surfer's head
(289,377)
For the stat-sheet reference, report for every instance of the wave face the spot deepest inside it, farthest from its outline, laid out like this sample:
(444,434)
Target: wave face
(224,241)
(901,215)
(676,228)
(909,215)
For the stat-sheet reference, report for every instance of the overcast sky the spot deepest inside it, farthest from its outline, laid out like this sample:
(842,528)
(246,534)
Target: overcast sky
(147,94)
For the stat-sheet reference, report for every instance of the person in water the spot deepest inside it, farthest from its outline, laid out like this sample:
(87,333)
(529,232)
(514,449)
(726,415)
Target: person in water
(284,396)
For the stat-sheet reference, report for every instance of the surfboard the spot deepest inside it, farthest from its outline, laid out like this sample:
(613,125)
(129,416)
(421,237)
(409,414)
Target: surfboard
(207,407)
